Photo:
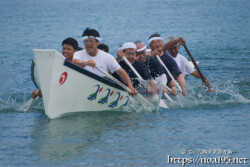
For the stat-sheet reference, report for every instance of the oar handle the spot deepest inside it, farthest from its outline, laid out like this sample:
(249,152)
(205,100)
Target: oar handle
(196,66)
(159,59)
(194,62)
(169,98)
(113,78)
(132,68)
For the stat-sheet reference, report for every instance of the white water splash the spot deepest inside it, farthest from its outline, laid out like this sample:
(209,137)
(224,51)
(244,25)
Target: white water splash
(8,80)
(224,93)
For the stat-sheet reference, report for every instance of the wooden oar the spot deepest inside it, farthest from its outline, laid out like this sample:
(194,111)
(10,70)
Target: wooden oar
(162,103)
(138,96)
(177,85)
(198,69)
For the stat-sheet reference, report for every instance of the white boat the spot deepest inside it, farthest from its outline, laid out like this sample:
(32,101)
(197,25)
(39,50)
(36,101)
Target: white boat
(68,88)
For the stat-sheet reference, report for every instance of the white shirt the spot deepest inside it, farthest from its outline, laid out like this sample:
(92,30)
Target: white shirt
(103,60)
(183,64)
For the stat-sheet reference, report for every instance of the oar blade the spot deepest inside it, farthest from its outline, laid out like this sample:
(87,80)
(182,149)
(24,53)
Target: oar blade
(163,104)
(167,97)
(29,104)
(138,97)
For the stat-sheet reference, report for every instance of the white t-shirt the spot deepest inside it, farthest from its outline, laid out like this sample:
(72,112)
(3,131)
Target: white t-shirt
(103,60)
(183,64)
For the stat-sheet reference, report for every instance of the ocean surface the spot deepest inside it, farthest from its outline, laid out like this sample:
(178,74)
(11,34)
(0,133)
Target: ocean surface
(204,125)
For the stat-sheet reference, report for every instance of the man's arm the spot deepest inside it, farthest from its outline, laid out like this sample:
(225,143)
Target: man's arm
(119,56)
(196,74)
(181,80)
(180,40)
(83,64)
(172,86)
(152,89)
(36,93)
(124,76)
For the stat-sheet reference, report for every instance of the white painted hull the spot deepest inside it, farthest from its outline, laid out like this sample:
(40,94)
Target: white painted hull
(67,88)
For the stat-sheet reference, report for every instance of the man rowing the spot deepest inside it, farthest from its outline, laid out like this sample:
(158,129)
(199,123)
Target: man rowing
(128,50)
(92,56)
(173,46)
(155,42)
(153,64)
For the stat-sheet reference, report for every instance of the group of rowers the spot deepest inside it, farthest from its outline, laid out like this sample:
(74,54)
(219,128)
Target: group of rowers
(142,59)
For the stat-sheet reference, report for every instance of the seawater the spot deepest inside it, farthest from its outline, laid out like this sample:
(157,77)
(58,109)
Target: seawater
(201,124)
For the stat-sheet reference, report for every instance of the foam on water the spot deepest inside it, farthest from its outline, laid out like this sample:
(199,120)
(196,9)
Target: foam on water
(6,100)
(224,93)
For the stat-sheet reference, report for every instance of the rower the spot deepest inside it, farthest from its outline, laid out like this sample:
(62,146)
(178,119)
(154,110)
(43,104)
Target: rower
(128,50)
(154,66)
(155,42)
(173,46)
(92,56)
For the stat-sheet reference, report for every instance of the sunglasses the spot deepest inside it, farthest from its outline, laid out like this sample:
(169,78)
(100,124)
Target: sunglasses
(89,41)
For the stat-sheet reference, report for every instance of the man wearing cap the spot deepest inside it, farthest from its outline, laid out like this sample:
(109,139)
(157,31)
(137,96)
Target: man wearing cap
(129,51)
(155,42)
(173,46)
(155,68)
(92,56)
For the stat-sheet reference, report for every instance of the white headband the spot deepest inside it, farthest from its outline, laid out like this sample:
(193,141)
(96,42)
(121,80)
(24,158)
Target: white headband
(88,37)
(128,45)
(143,48)
(154,39)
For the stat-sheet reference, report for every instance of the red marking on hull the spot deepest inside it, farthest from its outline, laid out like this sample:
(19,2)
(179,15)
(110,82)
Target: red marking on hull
(63,78)
(111,93)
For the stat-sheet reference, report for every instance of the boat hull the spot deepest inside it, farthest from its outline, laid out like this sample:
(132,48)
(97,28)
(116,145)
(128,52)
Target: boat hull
(68,88)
